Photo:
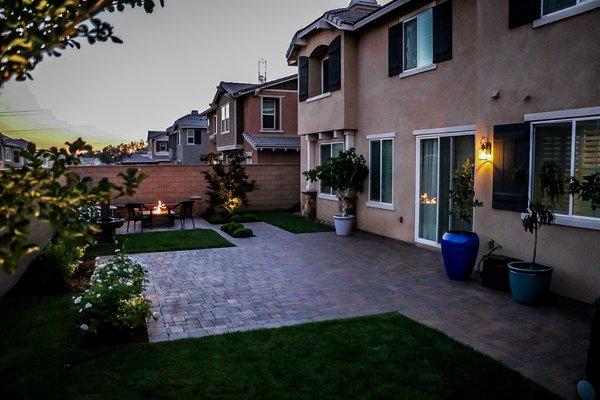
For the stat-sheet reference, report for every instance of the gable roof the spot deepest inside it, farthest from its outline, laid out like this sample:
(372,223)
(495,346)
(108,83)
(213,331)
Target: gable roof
(236,89)
(10,142)
(339,18)
(259,142)
(155,134)
(193,120)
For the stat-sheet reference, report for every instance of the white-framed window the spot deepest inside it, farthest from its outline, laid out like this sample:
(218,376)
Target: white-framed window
(417,49)
(270,114)
(325,75)
(179,138)
(552,6)
(327,151)
(381,170)
(225,119)
(7,154)
(574,146)
(190,137)
(162,146)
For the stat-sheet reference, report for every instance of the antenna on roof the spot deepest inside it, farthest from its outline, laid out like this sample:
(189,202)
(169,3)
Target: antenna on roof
(262,71)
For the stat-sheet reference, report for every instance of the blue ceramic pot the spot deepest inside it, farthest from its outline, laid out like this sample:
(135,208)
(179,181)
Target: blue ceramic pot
(529,285)
(459,250)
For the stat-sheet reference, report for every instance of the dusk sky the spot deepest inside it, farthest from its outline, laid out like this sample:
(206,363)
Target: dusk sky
(170,63)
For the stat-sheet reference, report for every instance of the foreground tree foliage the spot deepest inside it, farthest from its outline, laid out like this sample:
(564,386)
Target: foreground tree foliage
(53,195)
(114,154)
(32,29)
(228,184)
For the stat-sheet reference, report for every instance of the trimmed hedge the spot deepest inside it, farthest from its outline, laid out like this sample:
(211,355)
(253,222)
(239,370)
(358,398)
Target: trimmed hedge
(243,233)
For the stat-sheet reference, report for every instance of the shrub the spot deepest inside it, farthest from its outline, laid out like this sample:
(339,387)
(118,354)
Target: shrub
(88,213)
(237,218)
(250,218)
(59,262)
(231,227)
(242,233)
(114,304)
(217,219)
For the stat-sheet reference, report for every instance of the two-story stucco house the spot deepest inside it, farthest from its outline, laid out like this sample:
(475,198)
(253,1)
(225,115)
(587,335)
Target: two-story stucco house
(184,142)
(417,86)
(259,119)
(10,150)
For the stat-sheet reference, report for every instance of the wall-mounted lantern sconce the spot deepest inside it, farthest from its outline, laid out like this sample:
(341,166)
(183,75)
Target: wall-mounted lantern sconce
(485,150)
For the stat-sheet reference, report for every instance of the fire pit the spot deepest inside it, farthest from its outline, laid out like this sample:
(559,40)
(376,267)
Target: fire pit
(161,215)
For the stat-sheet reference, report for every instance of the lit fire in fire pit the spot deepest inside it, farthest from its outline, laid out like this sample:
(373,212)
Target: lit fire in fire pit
(160,208)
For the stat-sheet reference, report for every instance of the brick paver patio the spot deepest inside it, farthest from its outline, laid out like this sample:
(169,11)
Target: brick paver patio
(278,278)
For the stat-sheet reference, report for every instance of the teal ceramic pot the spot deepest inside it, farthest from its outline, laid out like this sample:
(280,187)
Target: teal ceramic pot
(529,285)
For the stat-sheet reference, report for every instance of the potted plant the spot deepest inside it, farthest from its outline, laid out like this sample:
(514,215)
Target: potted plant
(461,246)
(346,175)
(530,281)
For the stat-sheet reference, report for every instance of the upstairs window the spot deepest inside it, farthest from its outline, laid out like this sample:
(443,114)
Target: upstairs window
(270,114)
(16,157)
(190,137)
(418,41)
(325,75)
(162,146)
(225,119)
(551,6)
(7,154)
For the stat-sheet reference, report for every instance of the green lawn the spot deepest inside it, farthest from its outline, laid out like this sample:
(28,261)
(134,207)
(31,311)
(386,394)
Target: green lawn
(152,242)
(382,357)
(292,223)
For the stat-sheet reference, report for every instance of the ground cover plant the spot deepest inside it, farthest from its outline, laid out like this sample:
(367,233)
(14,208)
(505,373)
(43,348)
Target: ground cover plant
(152,242)
(386,357)
(292,223)
(237,230)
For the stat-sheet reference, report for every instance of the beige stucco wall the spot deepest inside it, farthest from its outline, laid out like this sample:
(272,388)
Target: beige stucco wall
(557,65)
(39,234)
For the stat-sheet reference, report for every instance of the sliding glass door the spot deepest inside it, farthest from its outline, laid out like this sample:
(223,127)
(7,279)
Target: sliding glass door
(438,157)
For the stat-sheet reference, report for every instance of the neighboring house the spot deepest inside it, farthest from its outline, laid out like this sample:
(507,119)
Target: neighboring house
(259,119)
(417,86)
(159,147)
(91,161)
(188,139)
(10,150)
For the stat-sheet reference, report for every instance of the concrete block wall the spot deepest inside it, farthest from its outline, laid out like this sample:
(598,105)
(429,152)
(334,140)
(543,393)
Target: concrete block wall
(278,184)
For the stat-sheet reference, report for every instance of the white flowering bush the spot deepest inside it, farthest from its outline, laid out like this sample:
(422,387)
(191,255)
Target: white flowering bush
(88,213)
(114,303)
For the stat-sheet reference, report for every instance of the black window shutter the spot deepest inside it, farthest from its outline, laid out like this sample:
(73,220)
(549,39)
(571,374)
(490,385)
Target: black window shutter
(303,78)
(511,167)
(156,147)
(197,136)
(442,32)
(395,50)
(335,65)
(521,12)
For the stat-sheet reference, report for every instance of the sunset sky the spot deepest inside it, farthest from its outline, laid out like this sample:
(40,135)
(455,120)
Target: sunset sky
(170,63)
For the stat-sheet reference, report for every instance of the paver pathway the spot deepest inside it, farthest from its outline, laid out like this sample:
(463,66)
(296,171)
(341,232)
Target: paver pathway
(278,278)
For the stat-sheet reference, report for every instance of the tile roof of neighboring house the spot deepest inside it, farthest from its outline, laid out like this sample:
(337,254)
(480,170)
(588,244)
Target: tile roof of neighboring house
(259,142)
(340,18)
(139,159)
(193,120)
(155,134)
(89,160)
(236,89)
(10,142)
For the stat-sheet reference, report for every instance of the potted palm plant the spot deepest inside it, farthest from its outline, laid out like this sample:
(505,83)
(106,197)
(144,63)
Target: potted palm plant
(530,281)
(461,246)
(345,174)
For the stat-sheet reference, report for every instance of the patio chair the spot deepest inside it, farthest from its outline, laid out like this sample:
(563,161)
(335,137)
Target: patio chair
(182,211)
(138,212)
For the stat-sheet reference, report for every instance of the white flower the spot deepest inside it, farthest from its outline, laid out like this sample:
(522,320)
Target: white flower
(98,295)
(88,305)
(77,300)
(97,258)
(117,250)
(155,314)
(84,327)
(129,283)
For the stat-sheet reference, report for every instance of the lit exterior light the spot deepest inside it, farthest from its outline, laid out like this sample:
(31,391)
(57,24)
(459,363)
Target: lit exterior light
(485,150)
